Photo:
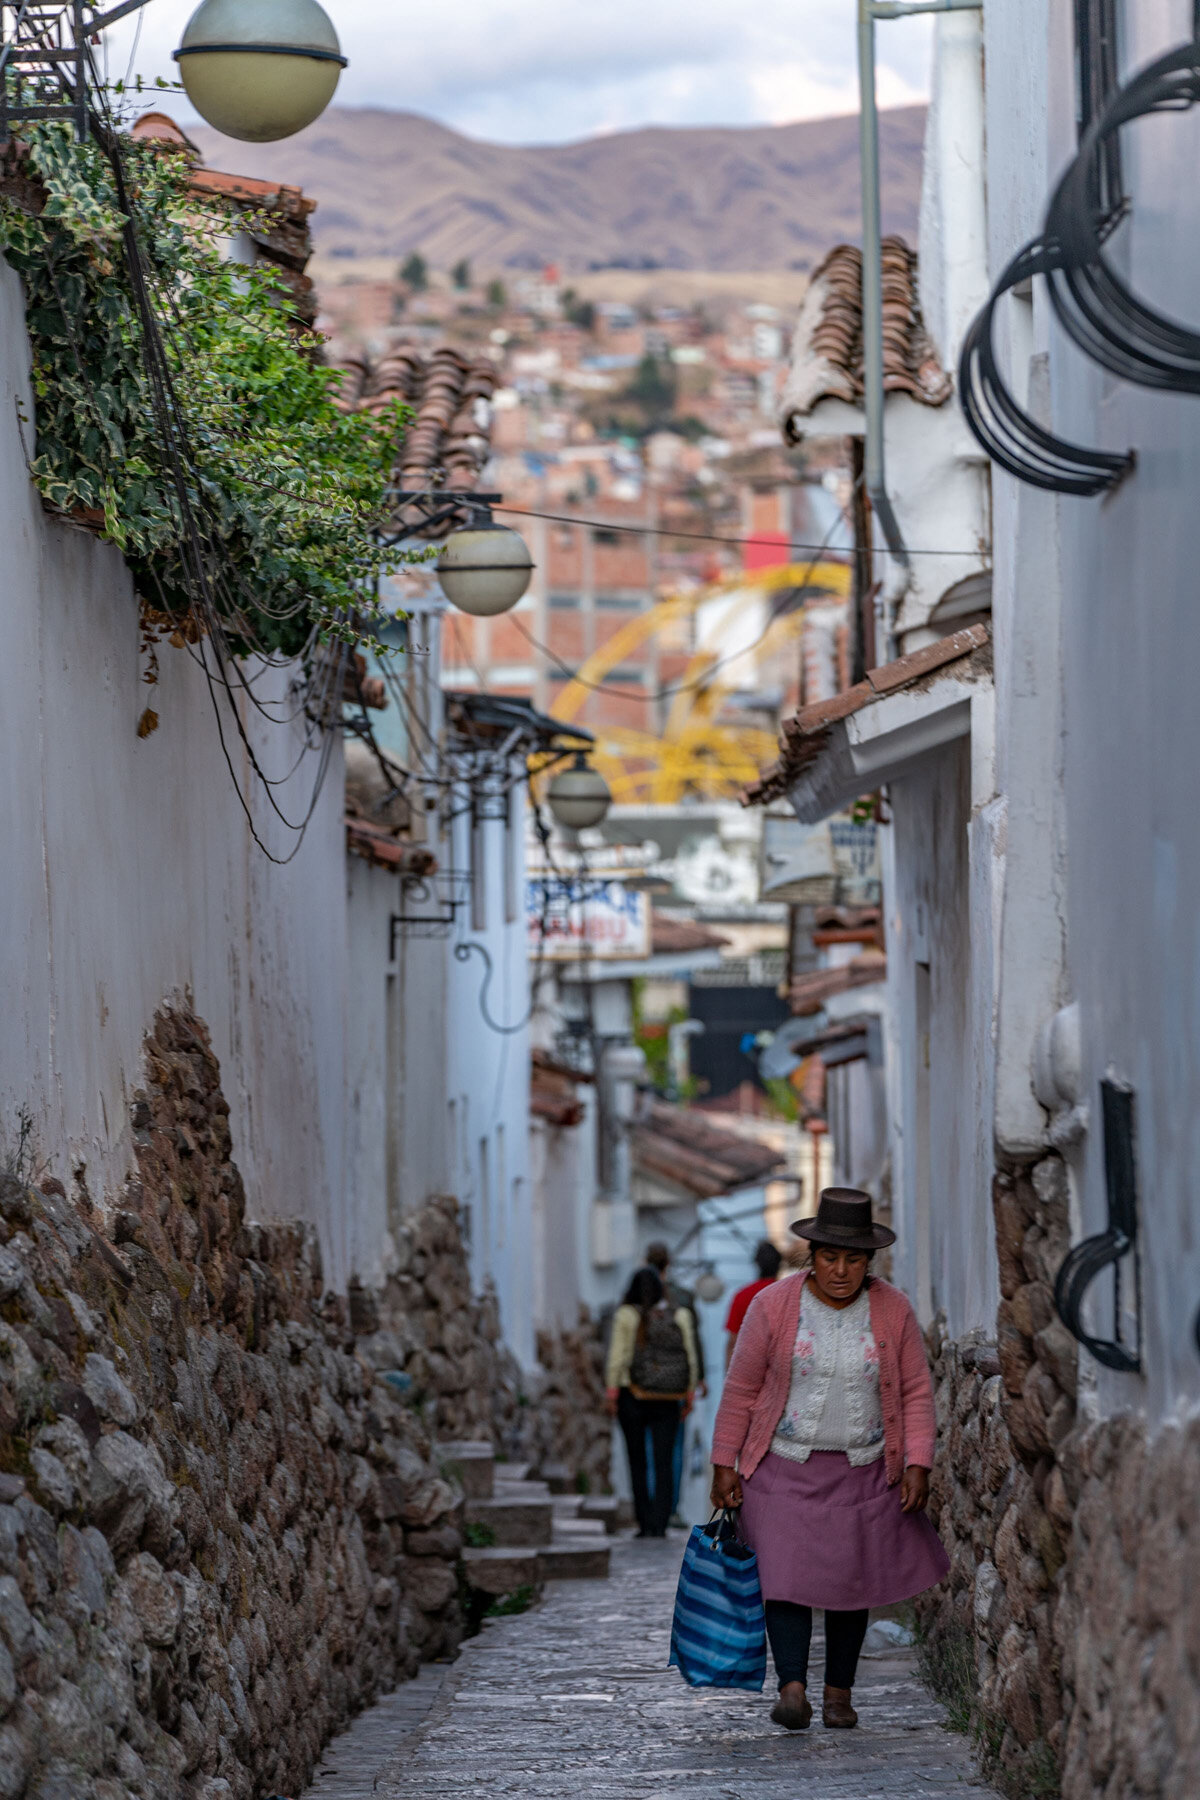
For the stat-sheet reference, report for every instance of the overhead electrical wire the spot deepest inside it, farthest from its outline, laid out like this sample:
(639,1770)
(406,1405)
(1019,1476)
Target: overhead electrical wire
(701,537)
(696,681)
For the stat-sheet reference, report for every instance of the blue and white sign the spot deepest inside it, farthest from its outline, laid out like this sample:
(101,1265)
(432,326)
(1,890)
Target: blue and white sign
(586,918)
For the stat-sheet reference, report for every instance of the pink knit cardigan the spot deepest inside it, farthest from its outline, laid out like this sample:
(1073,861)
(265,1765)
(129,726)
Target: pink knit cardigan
(758,1378)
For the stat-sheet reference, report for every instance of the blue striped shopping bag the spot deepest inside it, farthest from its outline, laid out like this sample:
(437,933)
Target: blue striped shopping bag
(718,1635)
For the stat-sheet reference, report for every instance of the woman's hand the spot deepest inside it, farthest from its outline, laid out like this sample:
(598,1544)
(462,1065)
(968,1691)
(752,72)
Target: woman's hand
(686,1404)
(610,1402)
(914,1489)
(726,1487)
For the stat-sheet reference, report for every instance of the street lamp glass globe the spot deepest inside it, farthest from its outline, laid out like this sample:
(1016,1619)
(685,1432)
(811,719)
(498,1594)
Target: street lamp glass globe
(484,568)
(579,797)
(259,69)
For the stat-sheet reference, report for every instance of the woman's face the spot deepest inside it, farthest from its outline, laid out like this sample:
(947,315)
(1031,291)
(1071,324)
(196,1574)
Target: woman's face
(839,1274)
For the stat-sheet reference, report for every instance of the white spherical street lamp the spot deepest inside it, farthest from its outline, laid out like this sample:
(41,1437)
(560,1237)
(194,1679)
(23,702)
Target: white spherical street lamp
(484,568)
(579,797)
(260,69)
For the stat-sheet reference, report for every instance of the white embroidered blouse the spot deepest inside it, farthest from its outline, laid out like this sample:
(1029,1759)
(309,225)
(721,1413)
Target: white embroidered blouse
(833,1401)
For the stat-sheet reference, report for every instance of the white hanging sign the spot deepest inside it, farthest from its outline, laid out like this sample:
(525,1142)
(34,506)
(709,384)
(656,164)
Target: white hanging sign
(574,918)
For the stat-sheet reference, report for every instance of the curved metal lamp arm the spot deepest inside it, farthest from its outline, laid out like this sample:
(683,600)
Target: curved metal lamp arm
(1079,1269)
(1087,1260)
(1008,434)
(462,953)
(1095,306)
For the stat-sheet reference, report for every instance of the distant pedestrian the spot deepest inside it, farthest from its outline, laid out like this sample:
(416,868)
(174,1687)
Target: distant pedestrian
(651,1377)
(768,1262)
(658,1257)
(825,1437)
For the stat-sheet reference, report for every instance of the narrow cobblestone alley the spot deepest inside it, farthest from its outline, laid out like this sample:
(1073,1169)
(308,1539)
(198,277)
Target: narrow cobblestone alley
(574,1698)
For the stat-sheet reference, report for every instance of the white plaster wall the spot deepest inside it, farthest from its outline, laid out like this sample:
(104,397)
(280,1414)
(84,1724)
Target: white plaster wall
(1096,634)
(1131,639)
(952,237)
(489,1080)
(938,873)
(129,877)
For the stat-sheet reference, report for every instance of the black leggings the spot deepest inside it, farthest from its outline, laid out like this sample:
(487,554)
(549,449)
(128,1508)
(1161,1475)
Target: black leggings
(661,1419)
(789,1628)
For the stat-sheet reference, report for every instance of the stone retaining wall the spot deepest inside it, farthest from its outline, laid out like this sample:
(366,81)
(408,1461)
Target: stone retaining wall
(223,1525)
(220,1533)
(446,1344)
(1128,1618)
(1073,1544)
(998,1497)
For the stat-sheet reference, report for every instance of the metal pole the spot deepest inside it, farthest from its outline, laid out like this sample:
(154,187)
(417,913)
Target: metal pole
(874,467)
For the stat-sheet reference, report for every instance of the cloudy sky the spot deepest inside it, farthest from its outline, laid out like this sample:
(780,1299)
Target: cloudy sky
(548,70)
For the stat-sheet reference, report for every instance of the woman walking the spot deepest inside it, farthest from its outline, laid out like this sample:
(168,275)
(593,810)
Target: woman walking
(825,1438)
(653,1369)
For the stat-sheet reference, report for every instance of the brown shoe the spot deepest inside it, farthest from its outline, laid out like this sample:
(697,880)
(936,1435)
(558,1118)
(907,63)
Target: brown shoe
(837,1714)
(793,1709)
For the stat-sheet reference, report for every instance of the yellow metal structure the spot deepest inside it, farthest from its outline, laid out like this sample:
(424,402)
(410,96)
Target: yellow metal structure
(696,755)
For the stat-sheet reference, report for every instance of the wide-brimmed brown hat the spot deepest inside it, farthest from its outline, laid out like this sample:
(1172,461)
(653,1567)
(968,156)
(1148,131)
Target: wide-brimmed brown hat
(844,1221)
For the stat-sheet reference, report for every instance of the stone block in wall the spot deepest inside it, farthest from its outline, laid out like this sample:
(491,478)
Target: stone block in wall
(197,1566)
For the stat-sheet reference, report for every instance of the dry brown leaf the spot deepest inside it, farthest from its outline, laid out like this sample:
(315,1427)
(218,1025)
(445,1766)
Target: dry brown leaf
(147,723)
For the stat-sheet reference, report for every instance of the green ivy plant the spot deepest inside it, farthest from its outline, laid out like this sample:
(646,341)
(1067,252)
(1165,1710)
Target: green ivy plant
(285,485)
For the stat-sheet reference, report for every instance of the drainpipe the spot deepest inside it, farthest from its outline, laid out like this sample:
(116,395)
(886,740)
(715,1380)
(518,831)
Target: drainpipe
(874,466)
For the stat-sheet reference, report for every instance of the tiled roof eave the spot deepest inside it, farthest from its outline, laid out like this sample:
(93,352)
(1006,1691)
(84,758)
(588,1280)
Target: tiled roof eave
(806,736)
(827,351)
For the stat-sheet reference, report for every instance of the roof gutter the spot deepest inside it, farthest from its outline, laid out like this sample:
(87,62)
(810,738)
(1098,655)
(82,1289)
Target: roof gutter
(874,467)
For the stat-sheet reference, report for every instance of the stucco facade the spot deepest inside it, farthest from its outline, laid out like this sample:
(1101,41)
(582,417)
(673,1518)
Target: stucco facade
(130,877)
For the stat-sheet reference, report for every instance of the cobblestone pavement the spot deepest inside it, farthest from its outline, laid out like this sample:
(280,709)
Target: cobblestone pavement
(574,1698)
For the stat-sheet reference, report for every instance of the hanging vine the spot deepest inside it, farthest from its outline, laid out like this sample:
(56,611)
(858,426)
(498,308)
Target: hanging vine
(179,413)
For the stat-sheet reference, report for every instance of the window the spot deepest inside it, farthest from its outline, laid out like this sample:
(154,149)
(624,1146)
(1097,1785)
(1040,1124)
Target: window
(623,600)
(563,602)
(601,534)
(1096,78)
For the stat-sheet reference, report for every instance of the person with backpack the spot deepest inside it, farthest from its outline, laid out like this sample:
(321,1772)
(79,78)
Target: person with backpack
(651,1377)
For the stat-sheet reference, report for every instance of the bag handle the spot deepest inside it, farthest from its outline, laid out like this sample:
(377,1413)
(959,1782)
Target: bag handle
(730,1525)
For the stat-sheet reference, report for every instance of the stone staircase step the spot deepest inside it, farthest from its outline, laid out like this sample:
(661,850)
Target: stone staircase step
(575,1559)
(579,1528)
(472,1462)
(517,1519)
(513,1471)
(567,1506)
(526,1490)
(558,1477)
(605,1507)
(503,1570)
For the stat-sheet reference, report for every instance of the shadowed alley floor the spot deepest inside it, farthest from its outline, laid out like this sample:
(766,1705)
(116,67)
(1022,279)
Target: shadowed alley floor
(574,1698)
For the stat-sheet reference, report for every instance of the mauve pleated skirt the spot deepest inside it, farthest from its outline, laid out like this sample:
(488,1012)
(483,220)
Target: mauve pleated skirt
(833,1536)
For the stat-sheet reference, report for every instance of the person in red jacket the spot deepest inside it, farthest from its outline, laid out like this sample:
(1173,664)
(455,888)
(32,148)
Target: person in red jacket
(768,1262)
(825,1438)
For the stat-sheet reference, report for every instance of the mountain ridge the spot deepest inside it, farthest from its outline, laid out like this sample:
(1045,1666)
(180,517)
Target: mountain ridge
(659,196)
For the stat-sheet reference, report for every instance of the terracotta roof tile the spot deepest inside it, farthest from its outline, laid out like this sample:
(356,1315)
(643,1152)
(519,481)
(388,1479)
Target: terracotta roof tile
(809,992)
(553,1095)
(449,439)
(675,937)
(827,353)
(375,845)
(802,738)
(275,216)
(682,1146)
